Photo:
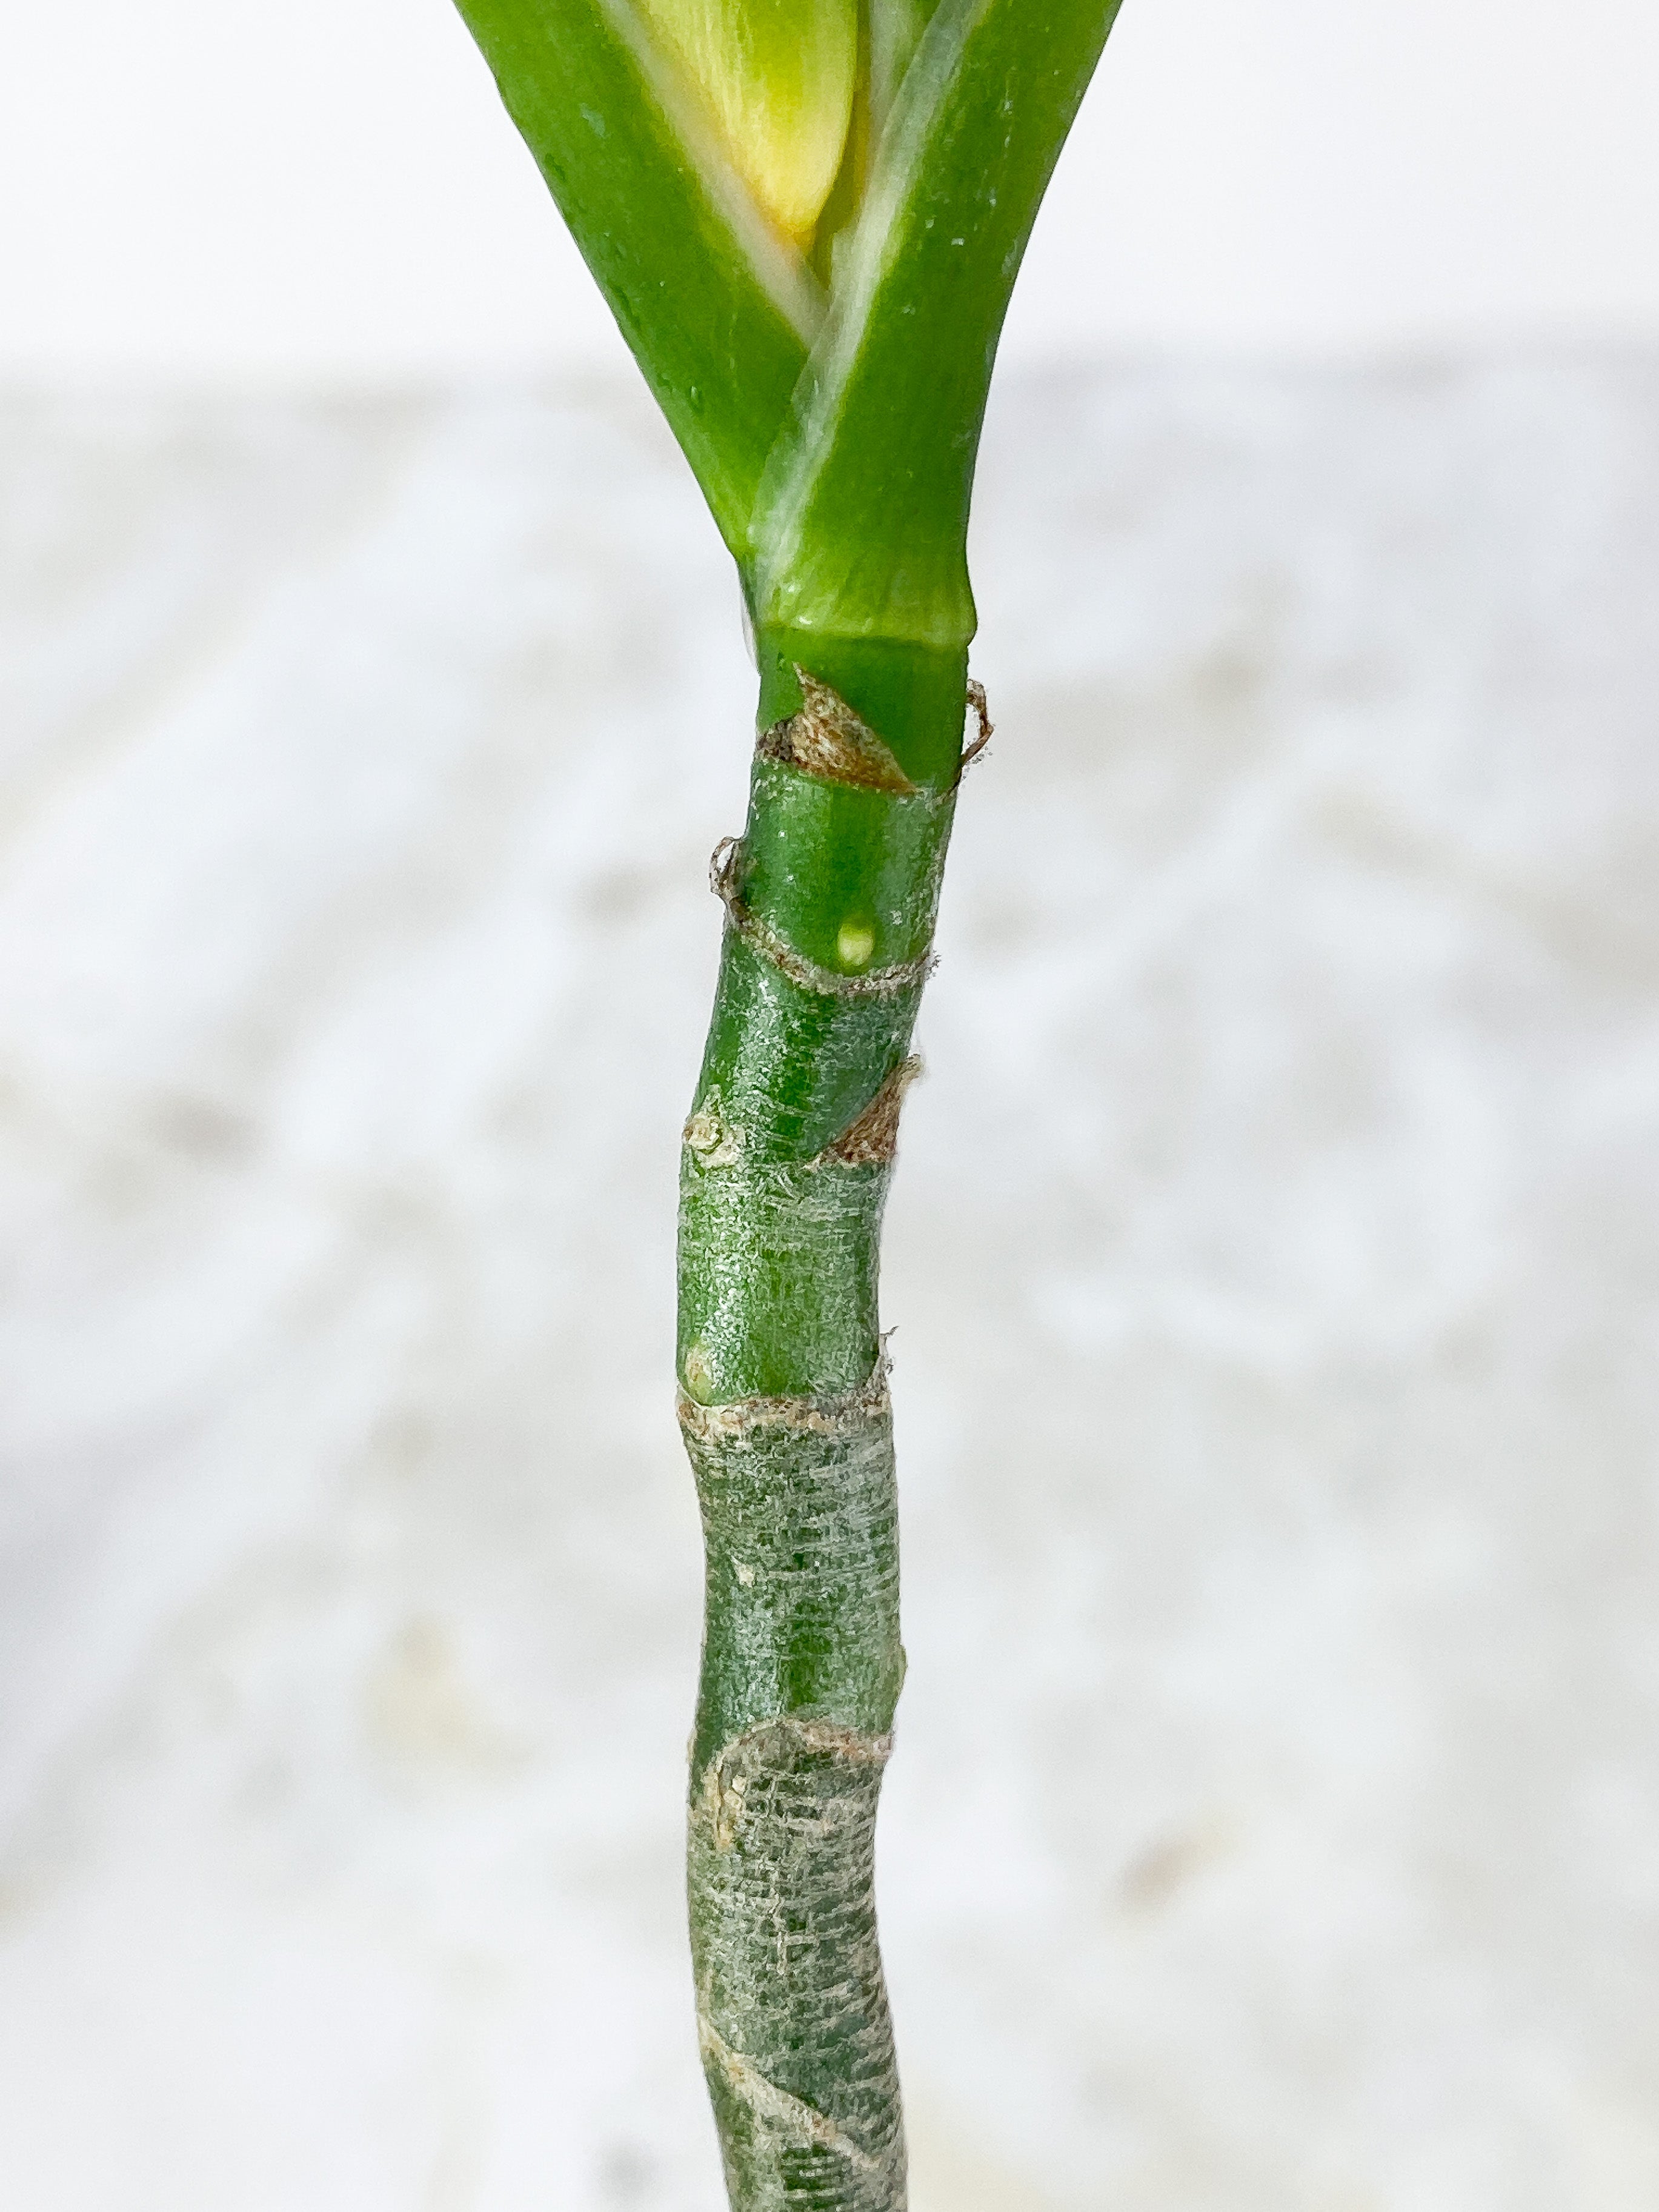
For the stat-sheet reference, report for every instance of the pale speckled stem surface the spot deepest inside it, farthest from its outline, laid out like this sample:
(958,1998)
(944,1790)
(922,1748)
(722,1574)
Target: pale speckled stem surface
(801,1525)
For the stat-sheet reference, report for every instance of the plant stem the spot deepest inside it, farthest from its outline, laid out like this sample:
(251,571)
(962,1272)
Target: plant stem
(832,897)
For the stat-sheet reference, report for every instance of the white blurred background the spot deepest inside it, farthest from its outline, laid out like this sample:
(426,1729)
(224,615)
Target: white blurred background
(205,187)
(1275,1253)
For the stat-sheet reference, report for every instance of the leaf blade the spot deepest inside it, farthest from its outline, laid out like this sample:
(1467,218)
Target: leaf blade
(716,310)
(861,525)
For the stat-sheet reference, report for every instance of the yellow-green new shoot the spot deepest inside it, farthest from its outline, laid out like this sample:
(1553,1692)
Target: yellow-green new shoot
(777,78)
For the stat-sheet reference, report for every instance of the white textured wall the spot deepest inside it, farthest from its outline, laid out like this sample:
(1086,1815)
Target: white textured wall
(203,187)
(1275,1260)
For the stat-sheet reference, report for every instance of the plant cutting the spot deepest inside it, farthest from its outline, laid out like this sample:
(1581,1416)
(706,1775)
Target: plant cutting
(807,216)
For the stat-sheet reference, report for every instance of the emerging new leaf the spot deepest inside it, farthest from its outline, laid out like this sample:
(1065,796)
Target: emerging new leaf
(778,77)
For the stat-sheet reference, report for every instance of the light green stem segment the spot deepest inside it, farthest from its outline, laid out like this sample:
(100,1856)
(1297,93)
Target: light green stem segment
(832,897)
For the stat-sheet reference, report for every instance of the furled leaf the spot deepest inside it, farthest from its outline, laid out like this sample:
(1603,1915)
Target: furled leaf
(778,78)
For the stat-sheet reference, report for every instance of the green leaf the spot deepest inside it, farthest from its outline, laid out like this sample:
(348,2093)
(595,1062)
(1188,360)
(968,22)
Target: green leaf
(718,309)
(861,526)
(778,77)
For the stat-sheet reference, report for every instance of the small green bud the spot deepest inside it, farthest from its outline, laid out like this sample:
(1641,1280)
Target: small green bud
(778,79)
(855,942)
(698,1371)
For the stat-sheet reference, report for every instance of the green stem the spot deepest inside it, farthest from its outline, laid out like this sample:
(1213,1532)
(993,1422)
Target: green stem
(831,895)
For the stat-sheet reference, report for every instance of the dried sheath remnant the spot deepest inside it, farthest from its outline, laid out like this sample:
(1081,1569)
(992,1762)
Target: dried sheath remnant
(828,982)
(872,1140)
(726,881)
(766,1749)
(716,1142)
(788,2116)
(982,710)
(825,1417)
(828,738)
